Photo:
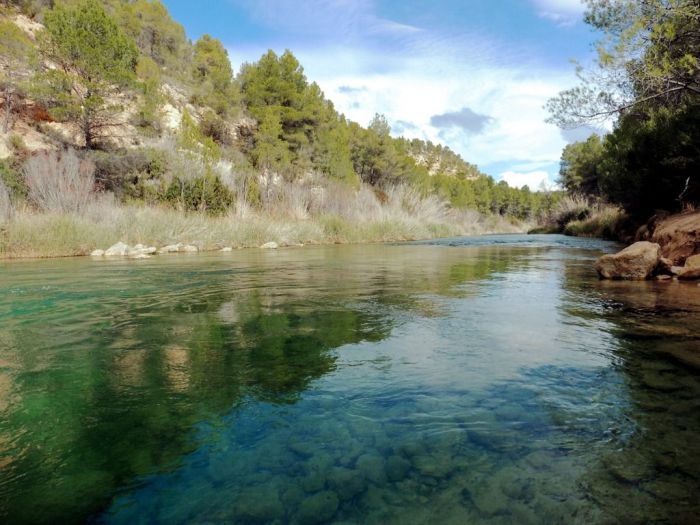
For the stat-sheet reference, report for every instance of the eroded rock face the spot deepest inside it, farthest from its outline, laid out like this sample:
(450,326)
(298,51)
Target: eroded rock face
(679,237)
(636,262)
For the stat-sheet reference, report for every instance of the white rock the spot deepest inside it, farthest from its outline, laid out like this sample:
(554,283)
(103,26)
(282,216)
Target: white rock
(270,246)
(150,250)
(117,250)
(171,248)
(97,253)
(189,248)
(138,247)
(227,249)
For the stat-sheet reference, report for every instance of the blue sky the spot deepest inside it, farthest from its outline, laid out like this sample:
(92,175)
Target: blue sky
(473,75)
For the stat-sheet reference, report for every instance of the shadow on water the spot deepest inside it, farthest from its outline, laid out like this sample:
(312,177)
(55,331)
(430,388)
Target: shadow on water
(652,474)
(109,371)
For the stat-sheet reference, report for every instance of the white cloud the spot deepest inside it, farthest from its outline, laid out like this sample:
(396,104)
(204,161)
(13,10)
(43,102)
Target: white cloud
(563,12)
(532,179)
(441,74)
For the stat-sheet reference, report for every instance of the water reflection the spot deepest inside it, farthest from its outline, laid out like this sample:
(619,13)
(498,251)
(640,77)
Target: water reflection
(653,474)
(105,369)
(489,380)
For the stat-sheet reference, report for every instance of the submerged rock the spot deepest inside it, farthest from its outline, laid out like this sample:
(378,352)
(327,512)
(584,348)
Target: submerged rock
(318,508)
(260,503)
(636,262)
(346,483)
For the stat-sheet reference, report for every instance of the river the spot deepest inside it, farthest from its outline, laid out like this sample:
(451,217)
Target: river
(474,380)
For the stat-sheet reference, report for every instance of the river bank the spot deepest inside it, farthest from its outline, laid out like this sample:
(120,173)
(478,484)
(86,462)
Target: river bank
(28,234)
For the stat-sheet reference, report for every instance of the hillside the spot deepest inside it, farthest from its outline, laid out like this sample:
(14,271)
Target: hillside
(165,123)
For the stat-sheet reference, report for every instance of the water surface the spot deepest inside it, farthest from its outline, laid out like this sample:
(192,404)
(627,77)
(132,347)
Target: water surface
(472,380)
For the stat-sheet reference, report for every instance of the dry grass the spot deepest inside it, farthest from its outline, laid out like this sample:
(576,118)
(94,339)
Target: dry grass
(59,181)
(6,209)
(334,215)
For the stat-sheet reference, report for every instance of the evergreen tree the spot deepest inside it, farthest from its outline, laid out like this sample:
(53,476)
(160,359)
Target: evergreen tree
(95,59)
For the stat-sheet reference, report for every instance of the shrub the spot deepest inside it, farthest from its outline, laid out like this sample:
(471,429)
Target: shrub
(568,209)
(130,173)
(206,193)
(59,181)
(13,180)
(214,127)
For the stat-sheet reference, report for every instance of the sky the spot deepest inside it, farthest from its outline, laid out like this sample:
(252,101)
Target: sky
(470,74)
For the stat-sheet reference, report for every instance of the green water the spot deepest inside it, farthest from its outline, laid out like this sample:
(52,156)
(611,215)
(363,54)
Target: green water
(476,380)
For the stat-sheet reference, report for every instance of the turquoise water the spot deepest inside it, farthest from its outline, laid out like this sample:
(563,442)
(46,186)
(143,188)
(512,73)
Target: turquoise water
(473,380)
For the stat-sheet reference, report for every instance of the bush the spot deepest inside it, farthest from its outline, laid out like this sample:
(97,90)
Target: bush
(130,173)
(206,193)
(215,128)
(13,180)
(59,181)
(568,209)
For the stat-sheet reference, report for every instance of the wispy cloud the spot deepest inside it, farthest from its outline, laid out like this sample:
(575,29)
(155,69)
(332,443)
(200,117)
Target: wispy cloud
(562,12)
(340,19)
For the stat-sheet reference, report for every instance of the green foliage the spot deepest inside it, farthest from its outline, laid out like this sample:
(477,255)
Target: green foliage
(149,113)
(648,57)
(156,34)
(95,59)
(18,55)
(214,127)
(649,77)
(653,163)
(213,76)
(580,165)
(270,151)
(134,174)
(11,176)
(206,193)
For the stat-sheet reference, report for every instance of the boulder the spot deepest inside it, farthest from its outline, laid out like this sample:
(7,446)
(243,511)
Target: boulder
(117,250)
(189,248)
(171,248)
(227,249)
(270,246)
(693,261)
(97,253)
(636,262)
(689,274)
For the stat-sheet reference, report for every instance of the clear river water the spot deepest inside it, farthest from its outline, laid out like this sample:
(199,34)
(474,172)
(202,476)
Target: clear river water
(471,380)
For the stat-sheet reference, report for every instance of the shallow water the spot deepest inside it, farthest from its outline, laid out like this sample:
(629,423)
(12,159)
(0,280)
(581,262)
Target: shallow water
(474,380)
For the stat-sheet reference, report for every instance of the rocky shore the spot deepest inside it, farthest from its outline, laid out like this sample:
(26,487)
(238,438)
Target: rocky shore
(140,251)
(667,248)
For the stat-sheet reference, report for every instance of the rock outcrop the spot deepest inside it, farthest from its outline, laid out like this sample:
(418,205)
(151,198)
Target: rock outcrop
(679,237)
(636,262)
